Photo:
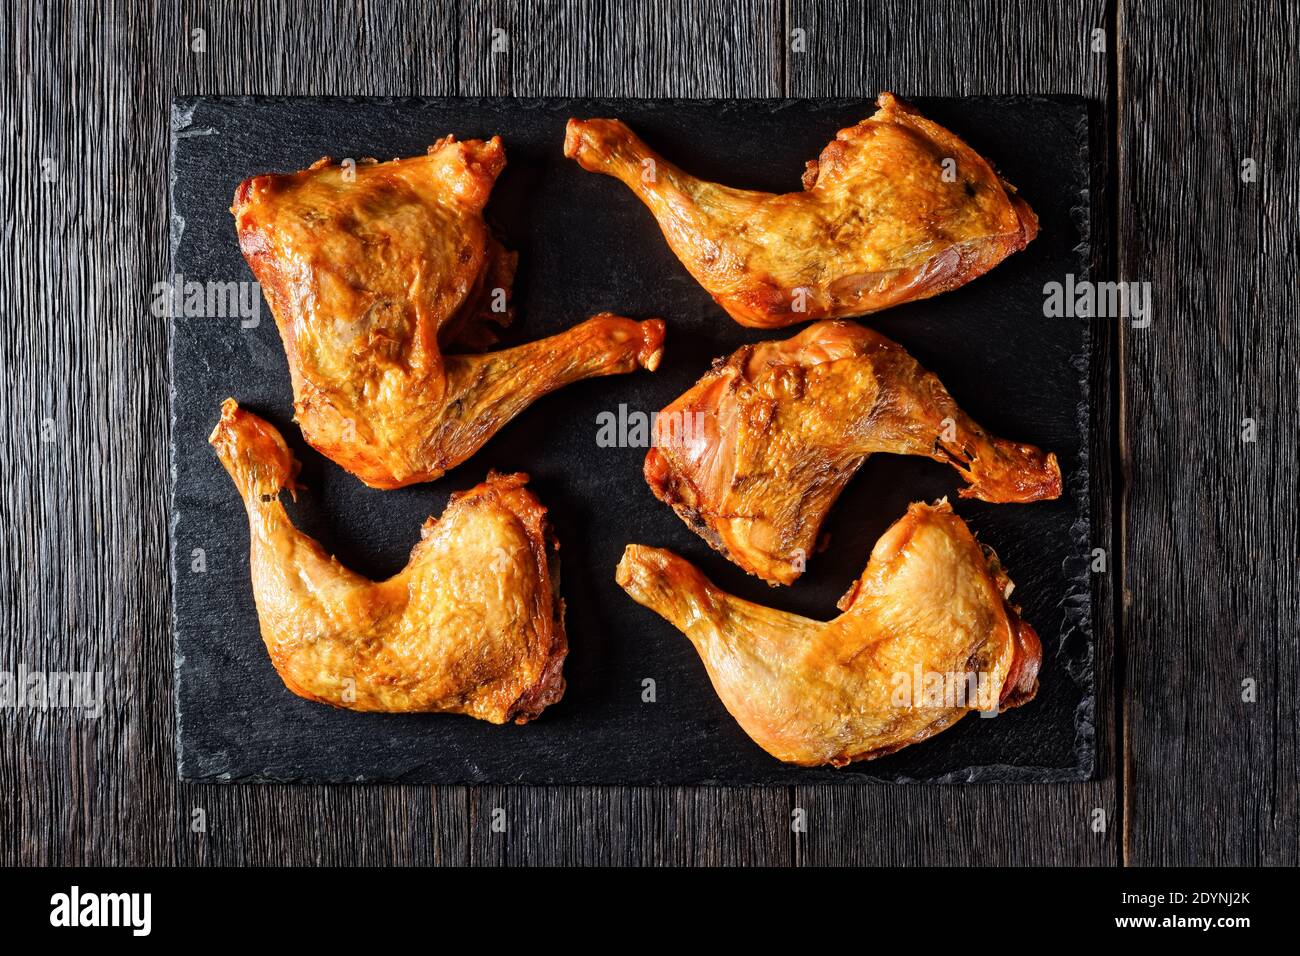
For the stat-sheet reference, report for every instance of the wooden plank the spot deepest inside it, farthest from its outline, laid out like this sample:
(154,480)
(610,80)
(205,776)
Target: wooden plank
(716,48)
(710,48)
(622,826)
(84,398)
(1211,538)
(956,48)
(321,825)
(945,47)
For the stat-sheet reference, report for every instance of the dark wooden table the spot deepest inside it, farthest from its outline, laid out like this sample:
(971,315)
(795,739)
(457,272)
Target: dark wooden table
(1199,600)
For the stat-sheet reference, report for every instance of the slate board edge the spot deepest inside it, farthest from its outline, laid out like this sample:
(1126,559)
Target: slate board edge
(1079,606)
(178,120)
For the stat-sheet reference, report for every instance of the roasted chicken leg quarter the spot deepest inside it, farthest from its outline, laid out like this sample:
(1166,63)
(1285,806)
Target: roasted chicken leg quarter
(374,272)
(926,637)
(472,625)
(755,454)
(896,209)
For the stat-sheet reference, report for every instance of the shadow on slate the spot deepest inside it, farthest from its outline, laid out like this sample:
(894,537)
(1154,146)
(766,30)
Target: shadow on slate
(586,244)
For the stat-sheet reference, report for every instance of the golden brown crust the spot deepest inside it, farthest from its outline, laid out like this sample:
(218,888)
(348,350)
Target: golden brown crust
(895,209)
(473,624)
(373,274)
(926,636)
(779,428)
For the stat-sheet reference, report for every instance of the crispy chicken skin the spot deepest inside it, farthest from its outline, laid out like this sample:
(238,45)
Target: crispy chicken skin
(930,602)
(472,625)
(373,272)
(883,219)
(754,455)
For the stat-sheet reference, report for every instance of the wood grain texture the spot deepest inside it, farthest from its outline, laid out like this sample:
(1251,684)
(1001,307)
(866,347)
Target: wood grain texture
(83,558)
(710,48)
(1210,551)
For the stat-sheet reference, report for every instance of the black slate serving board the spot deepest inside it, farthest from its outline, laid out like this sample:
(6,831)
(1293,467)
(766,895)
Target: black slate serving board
(586,244)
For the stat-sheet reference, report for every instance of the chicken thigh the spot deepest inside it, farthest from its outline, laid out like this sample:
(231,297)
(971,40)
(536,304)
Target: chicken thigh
(896,209)
(926,637)
(755,454)
(472,625)
(373,271)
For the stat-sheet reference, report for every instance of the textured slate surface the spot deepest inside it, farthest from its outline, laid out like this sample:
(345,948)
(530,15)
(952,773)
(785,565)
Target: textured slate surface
(587,245)
(84,559)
